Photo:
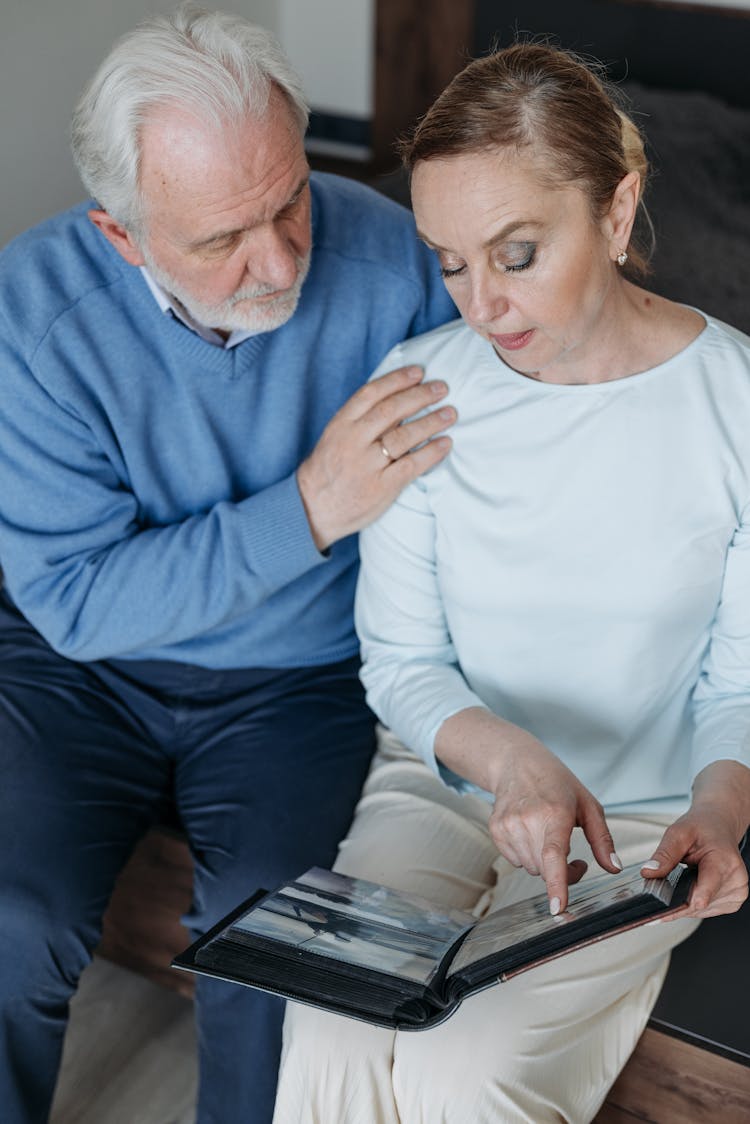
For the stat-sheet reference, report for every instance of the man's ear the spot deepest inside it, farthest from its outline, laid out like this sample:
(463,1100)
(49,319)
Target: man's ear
(117,236)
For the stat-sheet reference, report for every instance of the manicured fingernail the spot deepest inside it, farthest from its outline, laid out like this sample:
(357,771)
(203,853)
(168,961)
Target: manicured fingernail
(652,864)
(554,907)
(438,387)
(447,414)
(415,373)
(614,858)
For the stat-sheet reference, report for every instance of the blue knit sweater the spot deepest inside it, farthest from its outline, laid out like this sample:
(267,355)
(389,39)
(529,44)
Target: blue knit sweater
(148,499)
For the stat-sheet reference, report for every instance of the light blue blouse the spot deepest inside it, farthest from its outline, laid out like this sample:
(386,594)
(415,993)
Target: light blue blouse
(579,564)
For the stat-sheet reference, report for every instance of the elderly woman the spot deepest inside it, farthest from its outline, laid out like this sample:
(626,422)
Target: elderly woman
(556,620)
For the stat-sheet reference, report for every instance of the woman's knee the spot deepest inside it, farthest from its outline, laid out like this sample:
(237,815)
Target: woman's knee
(328,1061)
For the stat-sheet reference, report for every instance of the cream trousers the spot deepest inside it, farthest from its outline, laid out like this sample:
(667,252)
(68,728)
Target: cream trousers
(546,1046)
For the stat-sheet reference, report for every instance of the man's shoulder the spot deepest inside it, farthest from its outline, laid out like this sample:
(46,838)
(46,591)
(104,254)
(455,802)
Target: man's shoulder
(332,191)
(356,221)
(51,268)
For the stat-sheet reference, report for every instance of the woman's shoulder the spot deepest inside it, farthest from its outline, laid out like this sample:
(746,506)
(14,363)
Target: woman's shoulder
(664,330)
(725,335)
(722,352)
(453,347)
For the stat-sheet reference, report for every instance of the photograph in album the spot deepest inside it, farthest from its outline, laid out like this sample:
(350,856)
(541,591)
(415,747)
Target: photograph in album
(402,961)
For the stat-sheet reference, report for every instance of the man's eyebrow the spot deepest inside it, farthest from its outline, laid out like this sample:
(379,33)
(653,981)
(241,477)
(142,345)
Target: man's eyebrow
(498,236)
(223,235)
(219,237)
(303,183)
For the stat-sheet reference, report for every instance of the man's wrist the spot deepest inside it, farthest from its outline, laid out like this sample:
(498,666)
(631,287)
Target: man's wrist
(307,492)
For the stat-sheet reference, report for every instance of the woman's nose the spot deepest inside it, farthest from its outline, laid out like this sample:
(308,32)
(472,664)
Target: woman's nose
(487,301)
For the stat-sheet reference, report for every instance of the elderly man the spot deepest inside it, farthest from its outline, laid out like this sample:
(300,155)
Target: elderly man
(186,452)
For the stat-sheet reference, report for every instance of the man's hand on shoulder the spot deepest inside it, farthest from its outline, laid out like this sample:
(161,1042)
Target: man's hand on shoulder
(369,452)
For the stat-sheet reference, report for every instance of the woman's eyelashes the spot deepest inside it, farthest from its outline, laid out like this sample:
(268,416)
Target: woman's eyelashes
(521,257)
(447,271)
(513,259)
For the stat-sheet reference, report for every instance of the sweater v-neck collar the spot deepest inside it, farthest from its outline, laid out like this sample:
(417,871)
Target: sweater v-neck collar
(223,361)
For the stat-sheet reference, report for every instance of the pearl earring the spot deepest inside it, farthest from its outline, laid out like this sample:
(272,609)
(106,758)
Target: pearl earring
(622,257)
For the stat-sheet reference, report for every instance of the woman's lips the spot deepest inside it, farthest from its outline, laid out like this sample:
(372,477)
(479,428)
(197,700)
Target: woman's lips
(513,341)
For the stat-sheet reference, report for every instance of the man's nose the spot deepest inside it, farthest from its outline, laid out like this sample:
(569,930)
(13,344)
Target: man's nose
(272,259)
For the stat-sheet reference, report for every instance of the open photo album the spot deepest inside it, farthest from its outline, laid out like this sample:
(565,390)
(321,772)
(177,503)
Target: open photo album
(401,961)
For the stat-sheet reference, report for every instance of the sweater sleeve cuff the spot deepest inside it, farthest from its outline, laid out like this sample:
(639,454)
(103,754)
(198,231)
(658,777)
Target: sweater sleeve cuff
(276,536)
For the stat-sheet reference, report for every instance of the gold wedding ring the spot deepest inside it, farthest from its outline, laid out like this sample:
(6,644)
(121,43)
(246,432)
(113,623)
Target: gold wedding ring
(385,452)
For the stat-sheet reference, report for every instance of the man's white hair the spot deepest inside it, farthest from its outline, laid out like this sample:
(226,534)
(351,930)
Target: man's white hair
(216,65)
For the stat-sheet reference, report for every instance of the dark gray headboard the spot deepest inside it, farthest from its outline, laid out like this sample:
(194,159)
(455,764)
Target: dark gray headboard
(687,73)
(670,46)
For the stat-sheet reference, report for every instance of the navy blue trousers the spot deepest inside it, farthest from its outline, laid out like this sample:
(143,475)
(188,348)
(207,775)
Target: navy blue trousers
(265,768)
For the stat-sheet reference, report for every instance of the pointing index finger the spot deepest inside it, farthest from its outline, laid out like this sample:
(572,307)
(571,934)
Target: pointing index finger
(554,871)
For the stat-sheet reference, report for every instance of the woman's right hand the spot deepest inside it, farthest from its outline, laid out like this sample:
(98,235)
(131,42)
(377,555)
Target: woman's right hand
(538,800)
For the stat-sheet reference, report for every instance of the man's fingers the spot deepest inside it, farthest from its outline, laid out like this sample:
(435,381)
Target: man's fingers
(413,464)
(391,399)
(363,460)
(403,438)
(375,391)
(391,412)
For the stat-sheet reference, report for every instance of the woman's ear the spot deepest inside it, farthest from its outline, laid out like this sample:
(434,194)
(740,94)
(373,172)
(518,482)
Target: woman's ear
(117,236)
(618,222)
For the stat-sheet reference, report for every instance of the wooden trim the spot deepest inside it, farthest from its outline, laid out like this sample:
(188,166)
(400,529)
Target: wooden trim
(668,1081)
(418,49)
(142,927)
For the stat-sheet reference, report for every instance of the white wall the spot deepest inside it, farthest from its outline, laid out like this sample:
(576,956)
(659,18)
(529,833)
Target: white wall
(50,48)
(48,51)
(330,43)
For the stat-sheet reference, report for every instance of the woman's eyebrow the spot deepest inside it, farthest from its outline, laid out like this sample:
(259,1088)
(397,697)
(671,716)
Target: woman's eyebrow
(498,236)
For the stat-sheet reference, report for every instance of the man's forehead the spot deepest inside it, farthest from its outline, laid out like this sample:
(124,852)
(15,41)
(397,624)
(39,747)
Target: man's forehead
(174,132)
(187,160)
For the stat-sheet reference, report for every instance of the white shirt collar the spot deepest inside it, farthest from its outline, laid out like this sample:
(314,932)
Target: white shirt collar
(167,304)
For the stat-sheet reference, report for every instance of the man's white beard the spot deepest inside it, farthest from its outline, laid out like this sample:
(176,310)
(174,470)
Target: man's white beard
(238,313)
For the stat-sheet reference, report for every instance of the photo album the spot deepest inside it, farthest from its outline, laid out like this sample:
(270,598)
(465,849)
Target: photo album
(401,961)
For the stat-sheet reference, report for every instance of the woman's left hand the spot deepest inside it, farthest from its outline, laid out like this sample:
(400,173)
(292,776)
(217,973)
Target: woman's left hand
(707,836)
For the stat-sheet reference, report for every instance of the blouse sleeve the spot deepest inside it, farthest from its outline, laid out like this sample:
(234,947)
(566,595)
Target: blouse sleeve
(721,699)
(410,670)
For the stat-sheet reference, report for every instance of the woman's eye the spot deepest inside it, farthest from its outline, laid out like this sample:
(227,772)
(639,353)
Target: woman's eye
(451,271)
(525,258)
(513,259)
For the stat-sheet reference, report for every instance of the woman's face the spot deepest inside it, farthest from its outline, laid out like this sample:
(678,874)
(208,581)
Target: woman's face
(528,266)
